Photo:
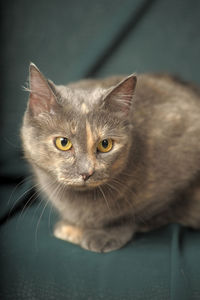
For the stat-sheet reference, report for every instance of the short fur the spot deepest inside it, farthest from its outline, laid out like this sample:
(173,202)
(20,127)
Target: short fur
(149,178)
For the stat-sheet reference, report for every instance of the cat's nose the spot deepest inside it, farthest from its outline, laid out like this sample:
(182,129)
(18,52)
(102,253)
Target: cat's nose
(87,175)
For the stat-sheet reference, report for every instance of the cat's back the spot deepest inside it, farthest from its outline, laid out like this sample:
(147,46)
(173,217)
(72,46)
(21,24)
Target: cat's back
(148,85)
(159,99)
(166,101)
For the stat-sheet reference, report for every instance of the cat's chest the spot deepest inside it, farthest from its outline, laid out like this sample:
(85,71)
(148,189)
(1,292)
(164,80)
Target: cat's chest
(82,209)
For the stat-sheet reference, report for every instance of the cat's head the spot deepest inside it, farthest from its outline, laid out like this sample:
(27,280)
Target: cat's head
(78,134)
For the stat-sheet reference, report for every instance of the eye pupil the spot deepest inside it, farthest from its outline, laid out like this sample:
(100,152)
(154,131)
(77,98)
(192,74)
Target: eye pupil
(63,141)
(104,143)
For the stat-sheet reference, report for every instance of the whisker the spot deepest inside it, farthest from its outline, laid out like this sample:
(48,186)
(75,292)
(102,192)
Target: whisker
(30,200)
(17,186)
(132,204)
(40,192)
(15,204)
(49,217)
(11,144)
(110,187)
(124,185)
(62,191)
(33,197)
(104,196)
(37,226)
(56,191)
(119,191)
(37,207)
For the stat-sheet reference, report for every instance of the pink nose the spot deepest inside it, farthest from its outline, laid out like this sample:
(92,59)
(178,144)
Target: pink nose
(86,175)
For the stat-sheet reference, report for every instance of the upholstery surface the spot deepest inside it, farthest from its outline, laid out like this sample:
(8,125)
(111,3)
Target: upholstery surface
(163,264)
(68,40)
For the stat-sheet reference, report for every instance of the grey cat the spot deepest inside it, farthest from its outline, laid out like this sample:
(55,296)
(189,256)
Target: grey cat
(115,158)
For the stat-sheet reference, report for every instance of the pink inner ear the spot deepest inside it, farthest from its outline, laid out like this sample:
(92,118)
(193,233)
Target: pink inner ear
(41,97)
(38,104)
(120,98)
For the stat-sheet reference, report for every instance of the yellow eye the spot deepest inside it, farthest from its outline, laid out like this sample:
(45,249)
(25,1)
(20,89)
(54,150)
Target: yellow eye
(105,145)
(63,143)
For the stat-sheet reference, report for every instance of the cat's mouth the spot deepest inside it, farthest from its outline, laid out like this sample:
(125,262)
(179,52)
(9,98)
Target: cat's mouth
(87,185)
(82,185)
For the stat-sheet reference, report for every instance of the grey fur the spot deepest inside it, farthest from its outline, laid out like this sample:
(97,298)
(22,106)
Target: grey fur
(149,178)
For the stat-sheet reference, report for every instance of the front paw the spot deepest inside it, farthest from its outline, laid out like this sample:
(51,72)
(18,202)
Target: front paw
(100,241)
(68,232)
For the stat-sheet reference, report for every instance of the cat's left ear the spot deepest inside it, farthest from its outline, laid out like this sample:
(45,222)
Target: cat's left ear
(120,98)
(42,98)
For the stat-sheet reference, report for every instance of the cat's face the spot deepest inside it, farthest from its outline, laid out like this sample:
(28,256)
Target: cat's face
(79,137)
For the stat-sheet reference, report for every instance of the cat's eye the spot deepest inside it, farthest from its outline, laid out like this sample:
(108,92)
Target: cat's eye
(63,143)
(105,145)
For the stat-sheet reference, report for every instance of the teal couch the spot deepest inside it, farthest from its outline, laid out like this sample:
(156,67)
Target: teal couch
(69,40)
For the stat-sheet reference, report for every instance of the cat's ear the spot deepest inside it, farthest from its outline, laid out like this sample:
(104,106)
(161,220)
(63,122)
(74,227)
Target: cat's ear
(119,99)
(42,98)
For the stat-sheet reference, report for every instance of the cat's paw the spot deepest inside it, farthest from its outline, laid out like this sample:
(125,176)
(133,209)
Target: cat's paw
(68,233)
(100,241)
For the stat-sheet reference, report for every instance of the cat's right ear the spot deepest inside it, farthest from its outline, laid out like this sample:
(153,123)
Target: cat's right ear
(42,98)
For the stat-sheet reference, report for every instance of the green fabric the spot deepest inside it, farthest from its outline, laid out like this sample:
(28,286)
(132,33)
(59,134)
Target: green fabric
(163,264)
(69,40)
(167,39)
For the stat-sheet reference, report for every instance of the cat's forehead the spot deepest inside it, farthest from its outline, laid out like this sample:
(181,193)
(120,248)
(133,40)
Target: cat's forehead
(82,99)
(82,113)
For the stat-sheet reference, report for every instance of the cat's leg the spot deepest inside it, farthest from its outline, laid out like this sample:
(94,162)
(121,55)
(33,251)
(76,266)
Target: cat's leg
(97,240)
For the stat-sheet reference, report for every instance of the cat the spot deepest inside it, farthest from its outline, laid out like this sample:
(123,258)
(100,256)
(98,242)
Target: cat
(115,156)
